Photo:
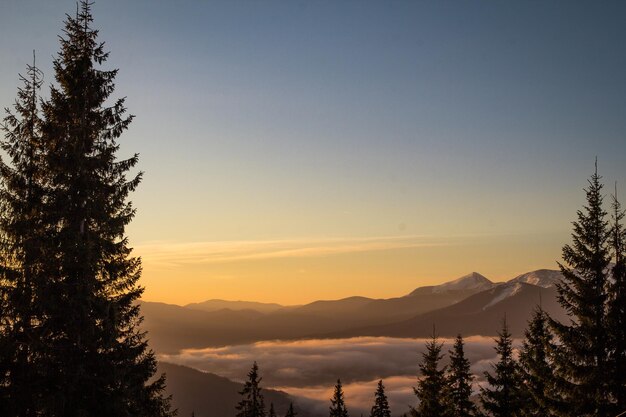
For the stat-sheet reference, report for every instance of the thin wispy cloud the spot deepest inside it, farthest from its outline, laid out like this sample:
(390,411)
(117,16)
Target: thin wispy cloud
(181,253)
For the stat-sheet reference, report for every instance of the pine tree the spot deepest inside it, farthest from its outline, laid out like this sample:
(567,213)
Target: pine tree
(92,358)
(290,411)
(536,366)
(338,406)
(580,357)
(381,405)
(616,315)
(21,195)
(431,389)
(271,413)
(504,396)
(459,381)
(252,403)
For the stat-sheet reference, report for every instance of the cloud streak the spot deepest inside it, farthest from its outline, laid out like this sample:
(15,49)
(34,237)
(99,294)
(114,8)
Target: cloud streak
(309,368)
(171,254)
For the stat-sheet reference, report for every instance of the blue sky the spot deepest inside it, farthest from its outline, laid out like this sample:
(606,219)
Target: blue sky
(308,120)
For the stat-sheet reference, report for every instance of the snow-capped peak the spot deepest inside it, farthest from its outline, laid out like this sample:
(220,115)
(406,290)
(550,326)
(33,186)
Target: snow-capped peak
(542,277)
(472,281)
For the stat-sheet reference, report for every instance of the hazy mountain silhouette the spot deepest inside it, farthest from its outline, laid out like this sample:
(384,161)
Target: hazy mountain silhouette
(470,282)
(479,314)
(210,395)
(471,304)
(215,305)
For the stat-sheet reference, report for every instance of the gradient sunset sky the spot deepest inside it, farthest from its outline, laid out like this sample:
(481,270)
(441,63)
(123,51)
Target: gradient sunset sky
(300,150)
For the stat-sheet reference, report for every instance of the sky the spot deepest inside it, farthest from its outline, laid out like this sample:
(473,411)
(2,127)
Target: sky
(303,150)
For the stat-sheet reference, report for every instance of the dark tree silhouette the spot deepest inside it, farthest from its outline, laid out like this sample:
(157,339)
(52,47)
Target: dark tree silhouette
(381,405)
(459,381)
(616,315)
(337,403)
(504,396)
(90,357)
(536,366)
(21,195)
(581,358)
(431,389)
(290,411)
(252,403)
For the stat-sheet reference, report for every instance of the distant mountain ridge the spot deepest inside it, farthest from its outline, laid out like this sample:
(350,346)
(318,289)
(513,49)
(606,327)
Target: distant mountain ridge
(216,304)
(472,281)
(171,328)
(542,277)
(479,314)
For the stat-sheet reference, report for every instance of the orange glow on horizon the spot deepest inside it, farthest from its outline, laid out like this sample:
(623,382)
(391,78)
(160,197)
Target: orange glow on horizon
(298,271)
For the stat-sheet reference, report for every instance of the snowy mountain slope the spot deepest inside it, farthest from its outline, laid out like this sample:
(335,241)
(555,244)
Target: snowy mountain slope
(542,277)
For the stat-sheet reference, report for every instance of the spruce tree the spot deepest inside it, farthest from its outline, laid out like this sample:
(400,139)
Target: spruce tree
(459,381)
(616,314)
(504,396)
(91,358)
(536,366)
(290,411)
(21,196)
(431,389)
(581,357)
(252,403)
(271,413)
(337,404)
(381,405)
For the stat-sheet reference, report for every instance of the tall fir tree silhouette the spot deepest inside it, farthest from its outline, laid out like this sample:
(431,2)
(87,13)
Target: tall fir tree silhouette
(93,358)
(581,358)
(616,314)
(504,396)
(459,382)
(431,388)
(536,366)
(337,403)
(290,411)
(252,403)
(381,405)
(21,231)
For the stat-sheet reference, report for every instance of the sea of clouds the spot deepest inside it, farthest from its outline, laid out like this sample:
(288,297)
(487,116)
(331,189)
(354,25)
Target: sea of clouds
(309,369)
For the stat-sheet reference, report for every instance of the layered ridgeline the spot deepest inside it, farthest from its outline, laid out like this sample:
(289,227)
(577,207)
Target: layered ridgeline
(472,304)
(208,395)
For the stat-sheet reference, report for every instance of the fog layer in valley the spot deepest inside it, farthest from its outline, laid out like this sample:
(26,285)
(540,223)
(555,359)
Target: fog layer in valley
(309,368)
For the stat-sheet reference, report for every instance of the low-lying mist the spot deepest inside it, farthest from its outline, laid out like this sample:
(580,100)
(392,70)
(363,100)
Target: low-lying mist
(309,368)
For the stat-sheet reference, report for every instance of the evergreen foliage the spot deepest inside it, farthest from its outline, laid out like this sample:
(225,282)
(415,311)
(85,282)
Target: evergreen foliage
(431,389)
(459,382)
(21,196)
(337,403)
(581,354)
(381,405)
(536,367)
(616,315)
(290,411)
(271,413)
(252,403)
(73,271)
(504,396)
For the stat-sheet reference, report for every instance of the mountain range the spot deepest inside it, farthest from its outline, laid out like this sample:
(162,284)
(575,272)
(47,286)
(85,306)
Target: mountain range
(471,305)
